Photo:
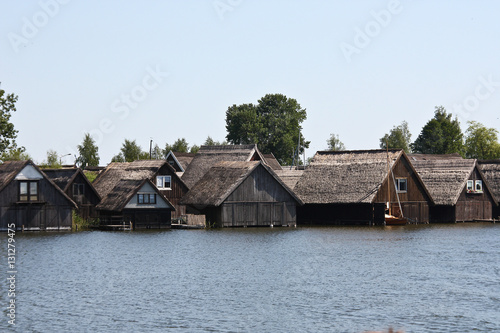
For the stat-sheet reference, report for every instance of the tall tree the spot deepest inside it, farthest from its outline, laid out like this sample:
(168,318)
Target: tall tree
(211,142)
(129,152)
(89,152)
(399,137)
(441,135)
(273,124)
(194,149)
(52,161)
(334,143)
(481,142)
(8,134)
(180,146)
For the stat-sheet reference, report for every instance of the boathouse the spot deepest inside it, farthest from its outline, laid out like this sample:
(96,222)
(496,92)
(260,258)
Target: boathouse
(491,172)
(353,187)
(236,194)
(30,200)
(135,202)
(209,156)
(458,188)
(75,184)
(159,172)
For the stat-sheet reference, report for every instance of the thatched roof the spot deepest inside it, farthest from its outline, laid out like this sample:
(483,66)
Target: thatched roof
(137,170)
(222,179)
(272,162)
(10,169)
(208,156)
(445,178)
(290,177)
(65,177)
(123,192)
(61,177)
(491,172)
(432,157)
(345,176)
(181,159)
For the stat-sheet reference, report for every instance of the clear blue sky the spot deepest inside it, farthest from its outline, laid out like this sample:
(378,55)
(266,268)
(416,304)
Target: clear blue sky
(163,70)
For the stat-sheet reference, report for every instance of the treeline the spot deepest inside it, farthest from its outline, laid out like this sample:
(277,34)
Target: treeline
(440,135)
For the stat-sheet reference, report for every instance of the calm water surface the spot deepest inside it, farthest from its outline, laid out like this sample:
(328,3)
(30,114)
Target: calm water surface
(336,279)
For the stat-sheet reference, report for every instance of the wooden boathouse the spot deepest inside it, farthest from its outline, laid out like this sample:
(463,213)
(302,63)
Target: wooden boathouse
(76,186)
(209,156)
(30,200)
(159,172)
(240,194)
(491,172)
(352,187)
(135,202)
(458,188)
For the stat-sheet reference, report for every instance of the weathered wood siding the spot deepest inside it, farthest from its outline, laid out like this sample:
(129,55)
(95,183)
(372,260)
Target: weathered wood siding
(177,191)
(52,211)
(259,201)
(475,206)
(415,202)
(86,202)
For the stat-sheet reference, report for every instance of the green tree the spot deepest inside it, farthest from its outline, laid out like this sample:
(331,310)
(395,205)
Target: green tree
(52,161)
(8,134)
(129,152)
(441,135)
(89,152)
(211,142)
(194,149)
(18,154)
(399,137)
(481,142)
(334,143)
(273,124)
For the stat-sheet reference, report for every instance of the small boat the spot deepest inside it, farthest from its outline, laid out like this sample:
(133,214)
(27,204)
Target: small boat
(394,220)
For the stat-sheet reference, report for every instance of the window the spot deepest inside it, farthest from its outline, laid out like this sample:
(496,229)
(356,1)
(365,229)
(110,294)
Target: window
(78,189)
(146,198)
(470,186)
(401,185)
(28,191)
(479,186)
(163,182)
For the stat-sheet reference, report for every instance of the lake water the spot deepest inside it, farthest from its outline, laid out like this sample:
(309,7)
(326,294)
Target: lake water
(431,278)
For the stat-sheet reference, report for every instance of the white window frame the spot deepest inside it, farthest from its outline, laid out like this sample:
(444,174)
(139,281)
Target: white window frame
(470,186)
(162,180)
(398,185)
(480,183)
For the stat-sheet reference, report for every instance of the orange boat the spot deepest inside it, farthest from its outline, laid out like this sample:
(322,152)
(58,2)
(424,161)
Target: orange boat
(394,220)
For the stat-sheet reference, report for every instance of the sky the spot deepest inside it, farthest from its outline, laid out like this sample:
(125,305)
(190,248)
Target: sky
(163,70)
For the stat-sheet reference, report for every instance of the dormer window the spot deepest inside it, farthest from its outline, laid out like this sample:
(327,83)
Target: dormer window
(479,186)
(164,182)
(470,186)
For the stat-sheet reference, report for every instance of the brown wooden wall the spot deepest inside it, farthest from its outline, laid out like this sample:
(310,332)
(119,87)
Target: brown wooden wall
(259,201)
(475,206)
(177,191)
(415,202)
(52,211)
(87,202)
